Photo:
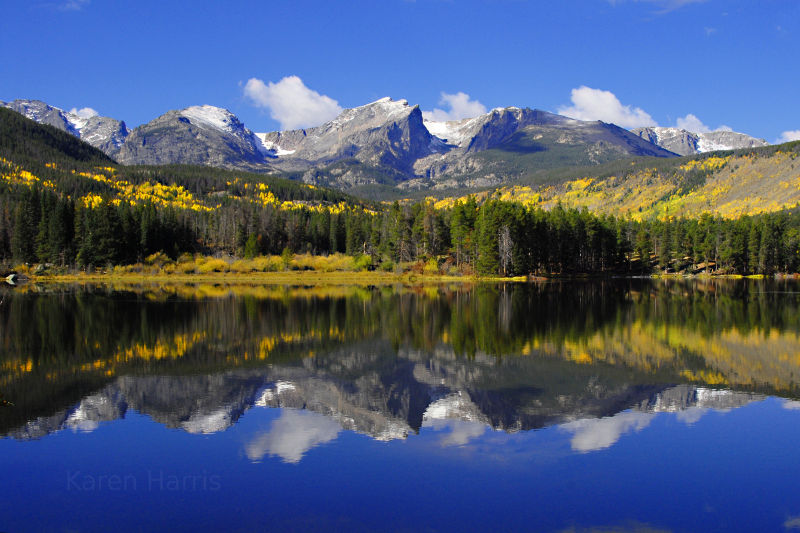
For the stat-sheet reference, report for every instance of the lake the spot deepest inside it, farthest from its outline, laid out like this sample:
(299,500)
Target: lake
(623,405)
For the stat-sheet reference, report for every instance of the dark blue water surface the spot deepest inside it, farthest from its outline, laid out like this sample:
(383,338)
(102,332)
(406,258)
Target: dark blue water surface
(625,406)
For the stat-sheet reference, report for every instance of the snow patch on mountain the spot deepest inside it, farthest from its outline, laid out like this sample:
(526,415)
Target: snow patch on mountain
(32,109)
(205,423)
(215,117)
(684,142)
(453,406)
(392,431)
(707,145)
(270,393)
(455,132)
(384,109)
(270,148)
(78,123)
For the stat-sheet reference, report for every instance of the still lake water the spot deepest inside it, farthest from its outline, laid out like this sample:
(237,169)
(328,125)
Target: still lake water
(613,406)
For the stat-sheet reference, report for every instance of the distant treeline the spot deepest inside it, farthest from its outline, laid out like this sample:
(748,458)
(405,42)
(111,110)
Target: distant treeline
(495,237)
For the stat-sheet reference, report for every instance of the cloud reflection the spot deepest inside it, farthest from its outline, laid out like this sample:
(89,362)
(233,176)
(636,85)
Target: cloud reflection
(292,435)
(793,522)
(598,433)
(456,432)
(691,415)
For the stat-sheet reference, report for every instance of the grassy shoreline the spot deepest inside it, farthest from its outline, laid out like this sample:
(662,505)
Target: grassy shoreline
(289,269)
(303,269)
(312,277)
(306,277)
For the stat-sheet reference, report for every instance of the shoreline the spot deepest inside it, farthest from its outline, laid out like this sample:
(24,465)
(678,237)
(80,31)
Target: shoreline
(305,277)
(322,277)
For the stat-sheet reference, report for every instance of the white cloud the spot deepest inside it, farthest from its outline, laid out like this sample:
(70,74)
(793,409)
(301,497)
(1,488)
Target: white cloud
(666,5)
(461,107)
(292,103)
(671,5)
(292,435)
(84,112)
(73,5)
(691,123)
(596,104)
(598,433)
(791,135)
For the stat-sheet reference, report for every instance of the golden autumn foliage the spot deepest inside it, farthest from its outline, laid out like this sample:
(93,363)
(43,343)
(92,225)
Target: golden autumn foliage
(200,264)
(731,186)
(11,173)
(168,195)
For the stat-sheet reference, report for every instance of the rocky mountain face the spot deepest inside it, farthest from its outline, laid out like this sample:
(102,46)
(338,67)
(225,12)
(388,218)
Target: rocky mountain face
(384,146)
(104,133)
(494,129)
(197,135)
(684,142)
(508,143)
(383,133)
(378,143)
(387,142)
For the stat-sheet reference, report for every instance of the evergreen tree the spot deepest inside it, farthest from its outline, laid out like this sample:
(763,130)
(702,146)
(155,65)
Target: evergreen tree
(26,223)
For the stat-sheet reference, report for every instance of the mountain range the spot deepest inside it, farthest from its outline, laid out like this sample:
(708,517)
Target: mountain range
(384,145)
(104,133)
(683,142)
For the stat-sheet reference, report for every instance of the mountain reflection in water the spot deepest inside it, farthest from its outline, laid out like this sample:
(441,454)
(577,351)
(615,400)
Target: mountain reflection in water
(597,359)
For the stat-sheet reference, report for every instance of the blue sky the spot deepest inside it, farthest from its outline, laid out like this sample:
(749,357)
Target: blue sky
(294,62)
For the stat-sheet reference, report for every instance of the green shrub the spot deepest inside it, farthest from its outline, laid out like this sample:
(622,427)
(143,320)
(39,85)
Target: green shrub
(362,262)
(286,258)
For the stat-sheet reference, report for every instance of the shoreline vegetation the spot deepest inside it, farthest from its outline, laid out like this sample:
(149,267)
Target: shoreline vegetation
(286,269)
(304,269)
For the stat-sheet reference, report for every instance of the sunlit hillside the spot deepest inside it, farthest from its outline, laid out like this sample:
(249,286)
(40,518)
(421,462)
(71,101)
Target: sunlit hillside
(119,184)
(731,184)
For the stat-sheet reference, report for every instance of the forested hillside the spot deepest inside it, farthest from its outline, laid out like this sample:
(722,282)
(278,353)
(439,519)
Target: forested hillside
(731,184)
(64,203)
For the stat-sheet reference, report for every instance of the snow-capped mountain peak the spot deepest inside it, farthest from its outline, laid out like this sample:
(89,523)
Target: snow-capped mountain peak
(372,114)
